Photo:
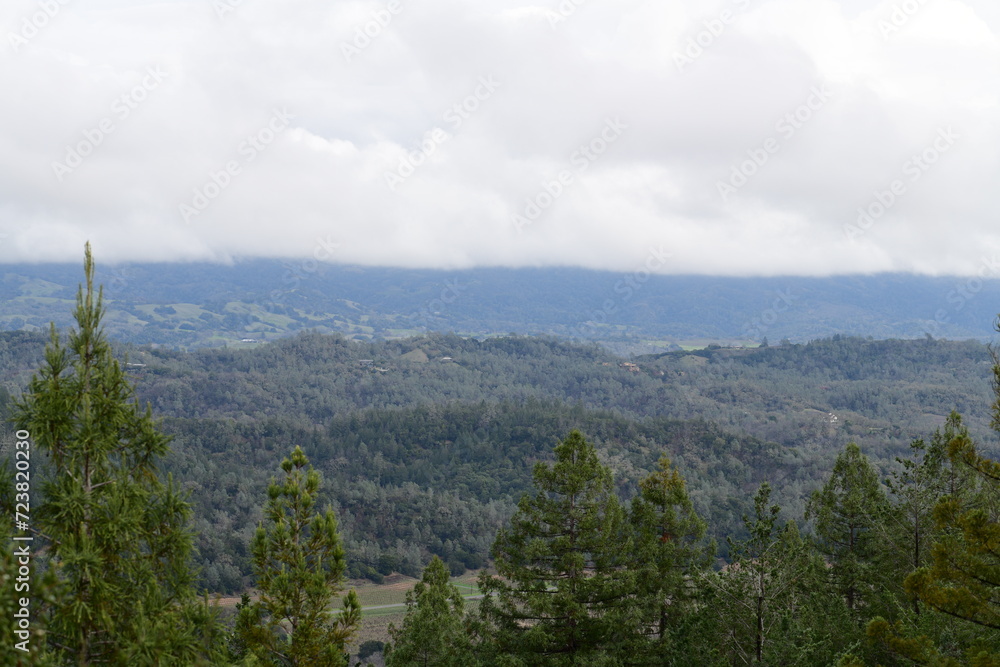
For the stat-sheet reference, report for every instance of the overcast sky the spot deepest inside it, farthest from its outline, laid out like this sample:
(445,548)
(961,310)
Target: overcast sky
(742,137)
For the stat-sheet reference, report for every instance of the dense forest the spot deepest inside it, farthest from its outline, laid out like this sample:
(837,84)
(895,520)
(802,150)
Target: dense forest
(814,503)
(428,442)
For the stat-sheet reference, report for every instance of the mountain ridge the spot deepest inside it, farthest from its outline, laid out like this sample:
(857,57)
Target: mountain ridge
(199,305)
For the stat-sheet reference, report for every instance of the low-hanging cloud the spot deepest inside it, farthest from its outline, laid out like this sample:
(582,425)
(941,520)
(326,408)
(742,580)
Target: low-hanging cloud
(752,137)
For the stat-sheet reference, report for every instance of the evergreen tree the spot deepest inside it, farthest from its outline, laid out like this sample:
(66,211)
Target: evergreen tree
(960,577)
(563,594)
(769,590)
(670,555)
(850,512)
(298,561)
(963,578)
(113,533)
(433,631)
(915,488)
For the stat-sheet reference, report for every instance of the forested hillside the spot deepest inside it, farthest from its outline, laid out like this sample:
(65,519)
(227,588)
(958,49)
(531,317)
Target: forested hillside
(428,442)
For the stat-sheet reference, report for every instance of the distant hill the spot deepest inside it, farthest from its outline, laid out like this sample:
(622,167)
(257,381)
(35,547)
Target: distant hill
(426,443)
(198,305)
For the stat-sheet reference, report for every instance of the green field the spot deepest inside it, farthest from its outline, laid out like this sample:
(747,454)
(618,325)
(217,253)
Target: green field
(384,603)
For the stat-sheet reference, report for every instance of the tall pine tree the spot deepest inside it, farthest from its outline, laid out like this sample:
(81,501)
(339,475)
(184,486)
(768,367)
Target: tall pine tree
(916,487)
(963,577)
(564,591)
(671,555)
(959,578)
(113,533)
(433,633)
(298,561)
(770,610)
(850,512)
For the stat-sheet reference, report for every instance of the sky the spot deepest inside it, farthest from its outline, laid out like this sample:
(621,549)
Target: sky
(733,137)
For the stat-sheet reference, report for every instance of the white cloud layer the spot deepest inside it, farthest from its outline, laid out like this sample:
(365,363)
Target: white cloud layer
(742,137)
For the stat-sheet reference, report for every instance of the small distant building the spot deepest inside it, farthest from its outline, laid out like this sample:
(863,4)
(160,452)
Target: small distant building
(628,365)
(248,340)
(447,359)
(366,363)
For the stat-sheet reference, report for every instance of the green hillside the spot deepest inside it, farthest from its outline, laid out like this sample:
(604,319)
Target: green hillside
(211,305)
(427,442)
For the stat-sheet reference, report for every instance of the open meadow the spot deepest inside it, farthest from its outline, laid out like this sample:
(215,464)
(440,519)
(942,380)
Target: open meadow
(383,604)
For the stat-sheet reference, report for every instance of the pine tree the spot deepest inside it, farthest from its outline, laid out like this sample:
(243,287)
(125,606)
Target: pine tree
(924,477)
(113,533)
(916,487)
(963,579)
(670,554)
(298,561)
(433,633)
(850,512)
(768,589)
(564,591)
(959,579)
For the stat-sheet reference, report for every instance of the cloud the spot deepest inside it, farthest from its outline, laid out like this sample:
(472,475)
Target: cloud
(756,134)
